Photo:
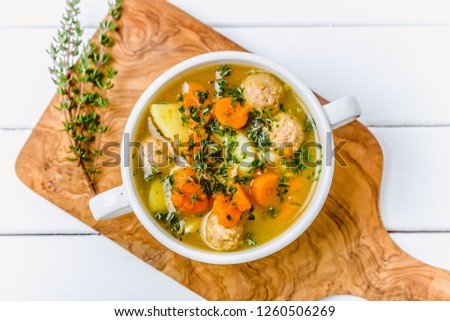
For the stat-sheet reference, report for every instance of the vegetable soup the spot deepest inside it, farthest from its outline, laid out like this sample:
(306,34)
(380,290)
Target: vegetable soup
(228,157)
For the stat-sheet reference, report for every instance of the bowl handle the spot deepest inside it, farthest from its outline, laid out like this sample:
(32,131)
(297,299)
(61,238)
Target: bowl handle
(110,204)
(342,111)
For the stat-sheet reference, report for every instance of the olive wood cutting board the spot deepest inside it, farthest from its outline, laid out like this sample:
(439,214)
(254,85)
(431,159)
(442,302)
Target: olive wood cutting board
(346,250)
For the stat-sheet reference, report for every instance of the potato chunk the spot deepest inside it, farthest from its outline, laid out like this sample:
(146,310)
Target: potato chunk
(157,201)
(168,120)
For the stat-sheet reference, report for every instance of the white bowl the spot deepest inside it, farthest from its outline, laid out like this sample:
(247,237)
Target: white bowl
(123,199)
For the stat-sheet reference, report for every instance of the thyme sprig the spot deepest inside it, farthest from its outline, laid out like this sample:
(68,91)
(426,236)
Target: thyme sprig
(83,85)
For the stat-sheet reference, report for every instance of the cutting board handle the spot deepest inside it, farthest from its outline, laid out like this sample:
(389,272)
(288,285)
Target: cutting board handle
(110,204)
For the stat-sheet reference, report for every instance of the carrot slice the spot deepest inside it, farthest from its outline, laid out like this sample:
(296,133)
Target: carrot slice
(229,210)
(187,194)
(227,214)
(193,87)
(192,99)
(241,199)
(295,198)
(264,189)
(231,114)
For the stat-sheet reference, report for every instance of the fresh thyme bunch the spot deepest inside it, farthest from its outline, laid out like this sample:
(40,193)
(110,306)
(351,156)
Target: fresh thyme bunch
(83,84)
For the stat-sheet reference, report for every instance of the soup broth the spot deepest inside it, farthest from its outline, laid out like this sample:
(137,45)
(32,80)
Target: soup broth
(228,157)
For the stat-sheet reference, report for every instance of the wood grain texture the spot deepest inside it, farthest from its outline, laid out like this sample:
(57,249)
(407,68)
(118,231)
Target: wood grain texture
(345,251)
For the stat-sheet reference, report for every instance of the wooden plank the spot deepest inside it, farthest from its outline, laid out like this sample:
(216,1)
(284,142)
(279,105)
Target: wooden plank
(23,13)
(79,268)
(400,75)
(317,12)
(416,180)
(388,69)
(91,268)
(250,12)
(405,205)
(25,69)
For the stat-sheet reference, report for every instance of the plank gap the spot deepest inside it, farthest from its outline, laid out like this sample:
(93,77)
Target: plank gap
(9,129)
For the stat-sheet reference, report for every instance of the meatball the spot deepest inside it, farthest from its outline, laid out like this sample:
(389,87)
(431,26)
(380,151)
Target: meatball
(221,238)
(263,91)
(286,134)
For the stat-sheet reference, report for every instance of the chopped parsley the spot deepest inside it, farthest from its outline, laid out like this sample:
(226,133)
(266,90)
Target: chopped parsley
(230,146)
(170,179)
(154,172)
(257,163)
(258,130)
(231,190)
(237,95)
(214,127)
(171,222)
(191,144)
(283,187)
(251,215)
(302,159)
(194,198)
(202,96)
(206,110)
(269,116)
(212,186)
(222,170)
(309,125)
(315,176)
(224,70)
(242,179)
(184,120)
(272,212)
(223,85)
(208,152)
(221,72)
(249,239)
(194,114)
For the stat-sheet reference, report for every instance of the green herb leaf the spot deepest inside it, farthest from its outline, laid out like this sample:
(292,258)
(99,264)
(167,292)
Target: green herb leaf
(249,240)
(83,85)
(224,70)
(283,187)
(237,94)
(272,212)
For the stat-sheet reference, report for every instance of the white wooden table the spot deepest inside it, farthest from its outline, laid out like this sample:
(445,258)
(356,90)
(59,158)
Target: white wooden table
(393,56)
